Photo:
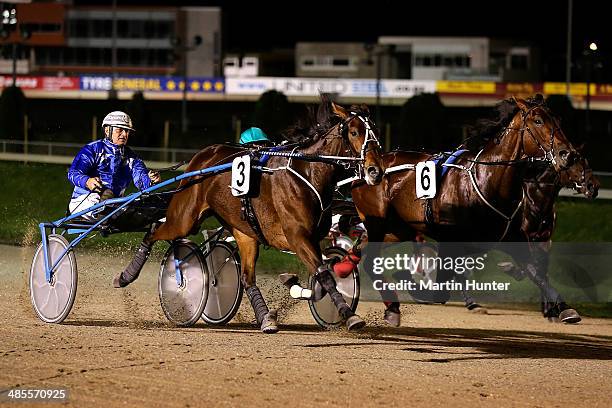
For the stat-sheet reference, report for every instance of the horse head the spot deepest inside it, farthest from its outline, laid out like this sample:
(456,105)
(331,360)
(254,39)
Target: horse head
(541,136)
(358,134)
(579,176)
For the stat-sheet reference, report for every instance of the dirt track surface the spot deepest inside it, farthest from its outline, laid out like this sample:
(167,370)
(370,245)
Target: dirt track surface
(117,349)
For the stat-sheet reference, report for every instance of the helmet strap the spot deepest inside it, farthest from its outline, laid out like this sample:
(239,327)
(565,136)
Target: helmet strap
(108,137)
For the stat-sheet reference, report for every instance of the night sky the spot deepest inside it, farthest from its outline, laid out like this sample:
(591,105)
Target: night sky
(250,26)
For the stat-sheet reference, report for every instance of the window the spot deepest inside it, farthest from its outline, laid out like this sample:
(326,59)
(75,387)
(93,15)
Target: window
(41,27)
(519,62)
(135,57)
(55,56)
(79,28)
(341,62)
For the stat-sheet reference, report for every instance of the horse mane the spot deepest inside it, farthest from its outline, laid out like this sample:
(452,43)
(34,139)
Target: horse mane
(317,121)
(488,128)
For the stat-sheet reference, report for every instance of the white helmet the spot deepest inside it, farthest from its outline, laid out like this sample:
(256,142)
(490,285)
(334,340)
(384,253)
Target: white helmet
(118,119)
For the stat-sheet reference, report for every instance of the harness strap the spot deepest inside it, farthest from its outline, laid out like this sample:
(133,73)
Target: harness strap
(248,214)
(309,184)
(483,198)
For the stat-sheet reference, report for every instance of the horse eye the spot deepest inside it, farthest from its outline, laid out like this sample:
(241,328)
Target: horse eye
(353,133)
(538,121)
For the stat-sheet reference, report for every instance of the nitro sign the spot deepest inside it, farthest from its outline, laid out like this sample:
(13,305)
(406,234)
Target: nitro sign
(341,87)
(307,87)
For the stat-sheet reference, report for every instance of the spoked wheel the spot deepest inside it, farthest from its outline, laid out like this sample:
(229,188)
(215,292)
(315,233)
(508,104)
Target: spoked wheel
(322,308)
(224,284)
(183,299)
(53,300)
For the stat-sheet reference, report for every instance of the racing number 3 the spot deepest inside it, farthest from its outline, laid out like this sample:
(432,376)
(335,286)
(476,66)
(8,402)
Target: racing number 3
(426,179)
(240,168)
(241,175)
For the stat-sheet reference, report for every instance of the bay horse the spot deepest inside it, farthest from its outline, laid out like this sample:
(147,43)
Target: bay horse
(538,224)
(292,206)
(480,198)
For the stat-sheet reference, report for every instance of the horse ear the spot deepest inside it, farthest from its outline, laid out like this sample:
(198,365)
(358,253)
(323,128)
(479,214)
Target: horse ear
(520,103)
(339,110)
(364,108)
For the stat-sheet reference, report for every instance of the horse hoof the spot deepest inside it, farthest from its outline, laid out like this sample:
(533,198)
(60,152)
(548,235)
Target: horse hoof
(392,318)
(569,316)
(117,282)
(269,324)
(355,323)
(476,308)
(289,279)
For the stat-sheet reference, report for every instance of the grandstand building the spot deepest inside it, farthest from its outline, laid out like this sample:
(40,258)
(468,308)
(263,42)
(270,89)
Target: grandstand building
(57,38)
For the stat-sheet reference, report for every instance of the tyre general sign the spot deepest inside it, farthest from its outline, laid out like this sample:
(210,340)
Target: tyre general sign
(151,84)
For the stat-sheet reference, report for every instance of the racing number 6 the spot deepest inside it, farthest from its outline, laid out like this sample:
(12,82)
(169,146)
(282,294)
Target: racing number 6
(426,179)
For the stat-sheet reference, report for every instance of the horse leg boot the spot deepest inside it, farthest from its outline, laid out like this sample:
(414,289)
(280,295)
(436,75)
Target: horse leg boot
(470,303)
(353,322)
(553,305)
(292,282)
(130,274)
(392,314)
(265,318)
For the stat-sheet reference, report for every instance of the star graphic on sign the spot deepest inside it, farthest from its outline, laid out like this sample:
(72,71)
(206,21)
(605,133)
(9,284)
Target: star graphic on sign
(207,86)
(219,86)
(171,85)
(195,86)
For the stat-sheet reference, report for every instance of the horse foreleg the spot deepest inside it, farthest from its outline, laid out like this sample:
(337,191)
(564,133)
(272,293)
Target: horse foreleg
(553,305)
(310,255)
(470,303)
(249,251)
(376,235)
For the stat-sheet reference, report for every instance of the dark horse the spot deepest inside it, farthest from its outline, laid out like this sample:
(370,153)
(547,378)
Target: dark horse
(292,205)
(538,224)
(486,196)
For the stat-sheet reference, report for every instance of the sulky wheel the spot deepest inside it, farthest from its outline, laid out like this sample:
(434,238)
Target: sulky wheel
(183,295)
(53,299)
(224,283)
(322,308)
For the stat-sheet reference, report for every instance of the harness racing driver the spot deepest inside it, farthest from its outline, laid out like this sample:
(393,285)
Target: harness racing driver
(103,169)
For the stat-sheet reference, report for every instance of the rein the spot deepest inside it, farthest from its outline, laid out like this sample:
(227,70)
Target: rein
(337,161)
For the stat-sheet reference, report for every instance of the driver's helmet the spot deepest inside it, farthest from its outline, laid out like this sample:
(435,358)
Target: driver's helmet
(253,134)
(118,119)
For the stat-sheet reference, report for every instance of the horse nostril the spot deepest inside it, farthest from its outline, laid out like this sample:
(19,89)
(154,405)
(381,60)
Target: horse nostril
(373,171)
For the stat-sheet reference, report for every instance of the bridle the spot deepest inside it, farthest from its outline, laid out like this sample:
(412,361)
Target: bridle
(369,139)
(357,162)
(548,155)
